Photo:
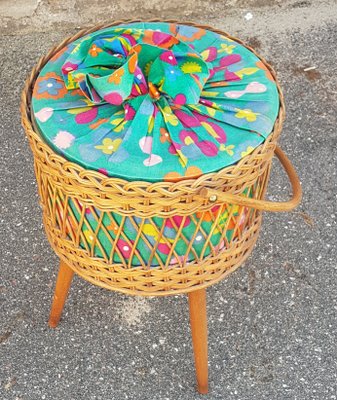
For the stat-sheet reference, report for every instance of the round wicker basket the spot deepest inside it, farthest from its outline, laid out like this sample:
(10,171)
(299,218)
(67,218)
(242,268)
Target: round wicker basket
(61,181)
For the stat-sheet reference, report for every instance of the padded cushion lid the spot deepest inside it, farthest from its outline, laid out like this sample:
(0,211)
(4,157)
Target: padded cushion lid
(154,101)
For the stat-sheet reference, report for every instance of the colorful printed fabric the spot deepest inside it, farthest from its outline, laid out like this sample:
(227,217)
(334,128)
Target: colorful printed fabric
(154,101)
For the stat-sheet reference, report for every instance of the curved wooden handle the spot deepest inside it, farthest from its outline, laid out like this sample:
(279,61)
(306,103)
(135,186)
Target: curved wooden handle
(214,196)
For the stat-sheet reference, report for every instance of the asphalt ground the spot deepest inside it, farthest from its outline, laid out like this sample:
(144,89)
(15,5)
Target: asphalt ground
(272,324)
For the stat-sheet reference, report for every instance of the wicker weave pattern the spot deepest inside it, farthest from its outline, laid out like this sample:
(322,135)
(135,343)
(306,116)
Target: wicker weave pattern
(60,181)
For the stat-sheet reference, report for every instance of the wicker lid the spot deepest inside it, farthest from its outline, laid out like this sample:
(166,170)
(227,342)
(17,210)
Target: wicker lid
(155,101)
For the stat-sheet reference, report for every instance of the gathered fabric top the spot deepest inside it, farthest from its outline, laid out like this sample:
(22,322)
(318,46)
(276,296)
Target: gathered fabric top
(154,101)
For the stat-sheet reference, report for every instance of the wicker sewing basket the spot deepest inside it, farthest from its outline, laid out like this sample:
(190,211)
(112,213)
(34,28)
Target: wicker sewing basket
(60,181)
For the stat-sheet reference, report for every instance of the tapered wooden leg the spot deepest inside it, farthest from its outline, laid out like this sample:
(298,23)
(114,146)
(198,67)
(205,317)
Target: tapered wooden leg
(61,292)
(198,320)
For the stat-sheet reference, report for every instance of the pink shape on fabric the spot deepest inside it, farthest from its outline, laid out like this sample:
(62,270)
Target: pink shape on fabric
(114,98)
(168,57)
(63,140)
(177,222)
(103,171)
(253,87)
(229,60)
(161,37)
(130,38)
(129,112)
(230,76)
(180,99)
(208,148)
(44,114)
(189,121)
(221,136)
(154,159)
(164,248)
(86,116)
(206,103)
(145,143)
(68,67)
(212,53)
(124,248)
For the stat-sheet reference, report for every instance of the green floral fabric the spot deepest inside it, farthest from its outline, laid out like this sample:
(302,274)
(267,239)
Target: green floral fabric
(155,101)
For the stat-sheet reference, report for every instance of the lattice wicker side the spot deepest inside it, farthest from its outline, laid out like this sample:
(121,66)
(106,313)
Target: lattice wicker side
(157,281)
(65,233)
(60,181)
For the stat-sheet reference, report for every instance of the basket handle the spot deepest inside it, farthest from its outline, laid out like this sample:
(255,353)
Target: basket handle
(215,196)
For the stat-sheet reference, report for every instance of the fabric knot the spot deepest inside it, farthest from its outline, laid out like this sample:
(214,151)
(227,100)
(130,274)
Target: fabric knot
(114,69)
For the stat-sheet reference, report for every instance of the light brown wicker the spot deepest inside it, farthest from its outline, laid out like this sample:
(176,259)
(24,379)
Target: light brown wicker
(60,180)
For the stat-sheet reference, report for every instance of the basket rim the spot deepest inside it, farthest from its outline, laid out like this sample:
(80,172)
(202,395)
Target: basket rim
(83,173)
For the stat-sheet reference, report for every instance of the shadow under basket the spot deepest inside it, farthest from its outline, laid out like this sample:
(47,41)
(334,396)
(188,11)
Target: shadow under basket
(131,236)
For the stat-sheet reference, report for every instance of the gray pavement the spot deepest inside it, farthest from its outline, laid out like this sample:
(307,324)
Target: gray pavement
(272,324)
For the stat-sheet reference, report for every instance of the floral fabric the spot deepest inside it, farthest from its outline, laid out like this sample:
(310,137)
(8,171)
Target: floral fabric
(154,101)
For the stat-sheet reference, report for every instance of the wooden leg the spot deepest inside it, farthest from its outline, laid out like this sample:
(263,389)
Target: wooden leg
(198,320)
(60,295)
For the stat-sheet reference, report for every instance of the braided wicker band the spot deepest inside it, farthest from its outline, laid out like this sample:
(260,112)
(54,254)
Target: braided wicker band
(60,180)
